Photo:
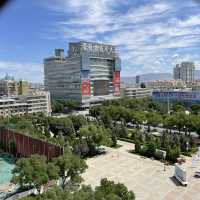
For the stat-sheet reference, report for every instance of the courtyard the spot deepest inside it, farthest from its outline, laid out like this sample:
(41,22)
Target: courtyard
(144,176)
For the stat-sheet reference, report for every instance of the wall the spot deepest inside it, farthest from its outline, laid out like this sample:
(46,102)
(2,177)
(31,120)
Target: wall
(26,145)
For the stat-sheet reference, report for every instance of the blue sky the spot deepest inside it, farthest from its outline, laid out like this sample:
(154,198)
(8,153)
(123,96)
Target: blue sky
(150,35)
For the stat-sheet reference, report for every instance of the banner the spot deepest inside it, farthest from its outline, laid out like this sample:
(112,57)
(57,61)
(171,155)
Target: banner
(116,89)
(116,83)
(116,77)
(86,91)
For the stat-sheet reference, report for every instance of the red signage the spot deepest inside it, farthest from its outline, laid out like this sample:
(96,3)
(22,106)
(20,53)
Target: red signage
(116,77)
(117,90)
(86,91)
(116,83)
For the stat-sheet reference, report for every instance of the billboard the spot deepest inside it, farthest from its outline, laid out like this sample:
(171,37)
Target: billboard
(116,83)
(117,90)
(116,77)
(86,89)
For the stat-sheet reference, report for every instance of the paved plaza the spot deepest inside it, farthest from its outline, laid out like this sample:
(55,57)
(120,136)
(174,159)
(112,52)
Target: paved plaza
(144,176)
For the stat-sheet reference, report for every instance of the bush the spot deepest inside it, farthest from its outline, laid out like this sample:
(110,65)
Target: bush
(143,150)
(150,149)
(159,154)
(173,154)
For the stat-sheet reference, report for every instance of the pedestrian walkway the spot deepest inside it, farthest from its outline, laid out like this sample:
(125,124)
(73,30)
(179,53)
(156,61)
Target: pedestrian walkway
(145,177)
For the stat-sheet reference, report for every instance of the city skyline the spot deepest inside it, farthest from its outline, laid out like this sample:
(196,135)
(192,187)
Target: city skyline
(150,35)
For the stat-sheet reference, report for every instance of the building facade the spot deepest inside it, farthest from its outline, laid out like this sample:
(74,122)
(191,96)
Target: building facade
(21,105)
(137,79)
(89,74)
(23,87)
(184,71)
(134,92)
(11,87)
(186,96)
(166,84)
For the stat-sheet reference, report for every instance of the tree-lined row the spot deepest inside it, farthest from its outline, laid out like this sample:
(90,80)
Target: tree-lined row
(107,190)
(112,114)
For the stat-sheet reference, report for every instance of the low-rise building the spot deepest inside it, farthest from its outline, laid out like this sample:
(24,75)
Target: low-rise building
(135,92)
(186,96)
(166,84)
(20,105)
(11,87)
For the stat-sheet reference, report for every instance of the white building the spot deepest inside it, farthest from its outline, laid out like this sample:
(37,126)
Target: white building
(19,105)
(166,84)
(135,92)
(184,71)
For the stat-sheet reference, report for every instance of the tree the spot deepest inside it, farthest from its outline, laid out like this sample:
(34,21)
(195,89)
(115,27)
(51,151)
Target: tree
(71,104)
(57,106)
(34,172)
(109,190)
(180,120)
(169,122)
(63,126)
(153,119)
(78,121)
(195,122)
(138,118)
(70,168)
(173,154)
(195,109)
(94,136)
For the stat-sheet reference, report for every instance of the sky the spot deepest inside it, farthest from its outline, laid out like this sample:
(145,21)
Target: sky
(150,35)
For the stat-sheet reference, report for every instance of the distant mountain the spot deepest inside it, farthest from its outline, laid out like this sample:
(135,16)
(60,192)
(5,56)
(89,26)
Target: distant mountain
(148,77)
(153,77)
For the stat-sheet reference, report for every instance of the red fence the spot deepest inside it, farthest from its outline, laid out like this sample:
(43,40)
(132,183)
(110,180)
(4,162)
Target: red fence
(25,145)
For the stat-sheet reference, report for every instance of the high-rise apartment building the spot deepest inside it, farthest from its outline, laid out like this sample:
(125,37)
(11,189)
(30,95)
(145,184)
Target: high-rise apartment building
(184,71)
(89,74)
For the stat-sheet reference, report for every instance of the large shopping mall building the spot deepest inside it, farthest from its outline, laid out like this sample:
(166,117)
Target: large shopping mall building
(89,74)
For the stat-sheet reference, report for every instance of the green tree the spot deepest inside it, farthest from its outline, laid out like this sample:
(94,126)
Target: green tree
(57,106)
(153,119)
(195,109)
(94,136)
(180,120)
(169,122)
(71,104)
(173,154)
(78,121)
(34,172)
(108,190)
(138,117)
(70,168)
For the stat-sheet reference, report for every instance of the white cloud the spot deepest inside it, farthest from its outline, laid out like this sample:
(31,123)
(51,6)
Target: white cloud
(27,71)
(147,35)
